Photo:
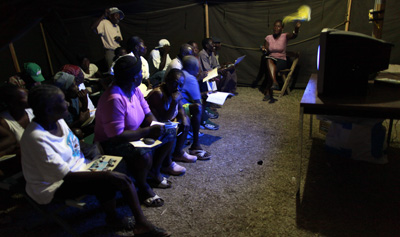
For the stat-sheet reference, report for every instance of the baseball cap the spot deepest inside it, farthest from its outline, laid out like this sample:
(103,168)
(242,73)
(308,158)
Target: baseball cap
(216,39)
(162,43)
(116,10)
(33,70)
(63,80)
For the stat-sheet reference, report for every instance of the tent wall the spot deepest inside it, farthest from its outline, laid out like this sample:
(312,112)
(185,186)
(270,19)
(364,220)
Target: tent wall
(241,25)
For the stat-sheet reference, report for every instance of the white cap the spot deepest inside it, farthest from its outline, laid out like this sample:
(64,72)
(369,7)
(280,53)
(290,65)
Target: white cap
(162,43)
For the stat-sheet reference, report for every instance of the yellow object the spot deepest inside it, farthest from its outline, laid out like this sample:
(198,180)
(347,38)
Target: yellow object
(302,14)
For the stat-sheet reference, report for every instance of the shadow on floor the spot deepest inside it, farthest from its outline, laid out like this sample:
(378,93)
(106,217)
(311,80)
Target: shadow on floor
(343,197)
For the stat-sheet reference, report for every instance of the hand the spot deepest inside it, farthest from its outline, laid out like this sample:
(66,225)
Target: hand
(202,75)
(118,39)
(156,131)
(176,96)
(84,115)
(297,25)
(82,95)
(107,12)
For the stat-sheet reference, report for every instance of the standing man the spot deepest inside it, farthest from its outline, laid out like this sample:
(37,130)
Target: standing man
(108,29)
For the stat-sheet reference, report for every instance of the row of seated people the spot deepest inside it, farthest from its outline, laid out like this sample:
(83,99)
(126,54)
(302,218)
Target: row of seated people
(122,115)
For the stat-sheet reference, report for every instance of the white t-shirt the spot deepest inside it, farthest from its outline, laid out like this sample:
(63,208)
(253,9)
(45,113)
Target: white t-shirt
(92,70)
(108,31)
(15,127)
(155,57)
(175,63)
(90,104)
(145,68)
(47,158)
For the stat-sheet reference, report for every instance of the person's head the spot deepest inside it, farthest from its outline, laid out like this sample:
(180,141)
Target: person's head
(185,50)
(14,97)
(115,15)
(163,45)
(83,61)
(278,27)
(208,45)
(174,80)
(66,82)
(195,47)
(128,71)
(217,43)
(32,75)
(48,103)
(136,45)
(191,65)
(75,71)
(120,51)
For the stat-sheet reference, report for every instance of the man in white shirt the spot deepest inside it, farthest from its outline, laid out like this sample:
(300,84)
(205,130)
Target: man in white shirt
(159,61)
(108,29)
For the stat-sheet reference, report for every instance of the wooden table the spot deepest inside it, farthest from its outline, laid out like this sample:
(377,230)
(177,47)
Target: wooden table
(381,101)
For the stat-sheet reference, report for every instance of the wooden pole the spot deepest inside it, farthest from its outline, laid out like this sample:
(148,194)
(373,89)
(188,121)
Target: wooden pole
(349,2)
(14,57)
(378,15)
(47,49)
(206,19)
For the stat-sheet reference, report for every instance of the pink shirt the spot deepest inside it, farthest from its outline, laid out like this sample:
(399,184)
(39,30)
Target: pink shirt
(116,113)
(277,47)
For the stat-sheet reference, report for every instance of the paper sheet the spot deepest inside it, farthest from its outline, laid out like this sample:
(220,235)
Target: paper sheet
(211,74)
(217,97)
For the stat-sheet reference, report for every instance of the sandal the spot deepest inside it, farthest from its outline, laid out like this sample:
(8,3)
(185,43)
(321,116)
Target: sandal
(165,183)
(201,154)
(155,232)
(155,201)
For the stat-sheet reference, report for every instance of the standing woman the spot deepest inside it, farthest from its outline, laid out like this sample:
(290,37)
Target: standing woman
(274,58)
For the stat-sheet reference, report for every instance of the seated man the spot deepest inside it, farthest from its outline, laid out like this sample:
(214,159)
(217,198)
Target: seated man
(208,62)
(54,167)
(184,50)
(165,103)
(123,116)
(30,76)
(138,48)
(192,104)
(228,80)
(159,61)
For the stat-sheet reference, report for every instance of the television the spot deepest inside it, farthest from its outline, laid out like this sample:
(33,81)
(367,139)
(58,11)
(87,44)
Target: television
(347,60)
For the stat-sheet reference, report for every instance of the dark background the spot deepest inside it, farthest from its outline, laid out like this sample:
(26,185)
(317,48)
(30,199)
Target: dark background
(241,25)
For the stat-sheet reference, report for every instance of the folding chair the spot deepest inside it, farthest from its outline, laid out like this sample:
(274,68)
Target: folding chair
(287,74)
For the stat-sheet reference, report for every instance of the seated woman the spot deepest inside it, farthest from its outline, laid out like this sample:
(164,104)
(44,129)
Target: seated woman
(13,122)
(52,164)
(274,59)
(122,116)
(78,112)
(165,103)
(17,115)
(79,79)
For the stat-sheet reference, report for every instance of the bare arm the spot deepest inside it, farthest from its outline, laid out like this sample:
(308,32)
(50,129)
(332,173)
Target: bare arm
(97,21)
(8,142)
(295,32)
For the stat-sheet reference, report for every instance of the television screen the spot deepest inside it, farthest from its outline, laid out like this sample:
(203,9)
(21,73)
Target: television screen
(346,60)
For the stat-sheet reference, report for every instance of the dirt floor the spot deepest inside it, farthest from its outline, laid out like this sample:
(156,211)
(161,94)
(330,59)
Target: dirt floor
(249,186)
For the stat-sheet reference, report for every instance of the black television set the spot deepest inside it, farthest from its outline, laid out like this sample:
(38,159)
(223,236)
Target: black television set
(347,60)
